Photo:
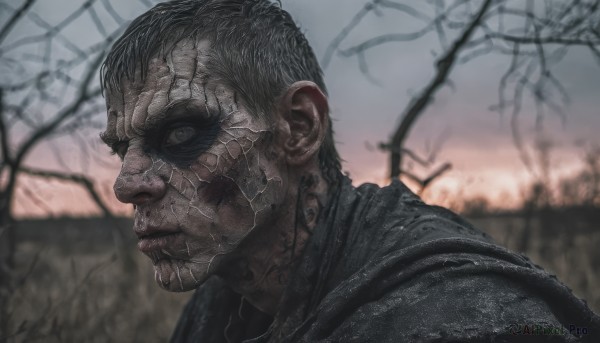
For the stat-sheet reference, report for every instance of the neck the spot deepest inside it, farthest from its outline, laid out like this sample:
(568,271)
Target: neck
(262,269)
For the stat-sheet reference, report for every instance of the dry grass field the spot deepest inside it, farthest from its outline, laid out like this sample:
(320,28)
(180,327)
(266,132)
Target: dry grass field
(565,243)
(72,285)
(79,288)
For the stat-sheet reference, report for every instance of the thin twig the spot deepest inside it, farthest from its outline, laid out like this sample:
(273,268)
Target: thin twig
(416,107)
(81,179)
(14,19)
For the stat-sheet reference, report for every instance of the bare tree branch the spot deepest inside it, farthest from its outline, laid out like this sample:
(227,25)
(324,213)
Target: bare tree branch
(35,199)
(84,96)
(384,39)
(14,19)
(536,38)
(387,38)
(424,183)
(417,106)
(544,40)
(333,46)
(110,9)
(81,179)
(54,32)
(46,89)
(4,139)
(405,9)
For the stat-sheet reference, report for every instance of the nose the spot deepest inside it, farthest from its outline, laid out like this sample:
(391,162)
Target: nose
(138,183)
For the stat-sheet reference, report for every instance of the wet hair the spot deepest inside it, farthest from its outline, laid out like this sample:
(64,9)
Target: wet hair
(256,49)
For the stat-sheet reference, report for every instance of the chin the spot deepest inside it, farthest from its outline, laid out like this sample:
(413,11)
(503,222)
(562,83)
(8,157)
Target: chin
(179,275)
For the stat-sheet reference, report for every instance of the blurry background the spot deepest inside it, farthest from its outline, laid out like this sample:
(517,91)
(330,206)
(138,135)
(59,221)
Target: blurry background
(487,107)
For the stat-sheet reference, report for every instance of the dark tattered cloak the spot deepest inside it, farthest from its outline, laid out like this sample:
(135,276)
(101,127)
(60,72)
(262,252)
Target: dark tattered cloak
(382,266)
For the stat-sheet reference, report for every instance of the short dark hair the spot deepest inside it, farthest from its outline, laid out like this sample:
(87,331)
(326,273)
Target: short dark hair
(257,49)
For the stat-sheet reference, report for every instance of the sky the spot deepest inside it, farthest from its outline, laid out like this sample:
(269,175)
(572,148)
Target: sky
(477,141)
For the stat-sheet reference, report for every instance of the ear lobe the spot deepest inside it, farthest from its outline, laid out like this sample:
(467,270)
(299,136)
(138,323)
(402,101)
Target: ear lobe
(304,109)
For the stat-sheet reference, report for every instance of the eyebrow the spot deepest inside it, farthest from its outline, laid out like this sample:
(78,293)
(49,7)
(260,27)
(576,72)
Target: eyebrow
(109,136)
(177,110)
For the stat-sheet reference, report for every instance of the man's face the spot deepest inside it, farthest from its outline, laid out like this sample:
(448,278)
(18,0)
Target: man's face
(198,167)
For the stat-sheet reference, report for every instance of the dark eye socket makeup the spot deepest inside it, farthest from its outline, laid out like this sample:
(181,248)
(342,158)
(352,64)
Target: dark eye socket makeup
(182,141)
(179,134)
(186,130)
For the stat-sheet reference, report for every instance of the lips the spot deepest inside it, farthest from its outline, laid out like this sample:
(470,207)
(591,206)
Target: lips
(150,240)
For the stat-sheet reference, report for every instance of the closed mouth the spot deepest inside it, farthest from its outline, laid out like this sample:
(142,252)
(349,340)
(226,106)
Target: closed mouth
(158,242)
(157,234)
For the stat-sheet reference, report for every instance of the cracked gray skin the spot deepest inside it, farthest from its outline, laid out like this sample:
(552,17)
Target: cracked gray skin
(233,210)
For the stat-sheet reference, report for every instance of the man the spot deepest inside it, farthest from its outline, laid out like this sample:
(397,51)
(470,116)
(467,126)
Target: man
(219,113)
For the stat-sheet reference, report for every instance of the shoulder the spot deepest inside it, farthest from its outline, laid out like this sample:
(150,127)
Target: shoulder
(430,275)
(450,291)
(392,218)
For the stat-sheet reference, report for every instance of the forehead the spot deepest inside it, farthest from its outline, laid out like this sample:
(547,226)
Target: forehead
(179,77)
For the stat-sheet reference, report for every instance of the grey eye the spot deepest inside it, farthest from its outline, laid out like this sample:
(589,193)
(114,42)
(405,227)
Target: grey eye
(180,135)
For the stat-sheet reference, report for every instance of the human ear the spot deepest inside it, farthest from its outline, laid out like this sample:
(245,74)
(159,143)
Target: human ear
(304,111)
